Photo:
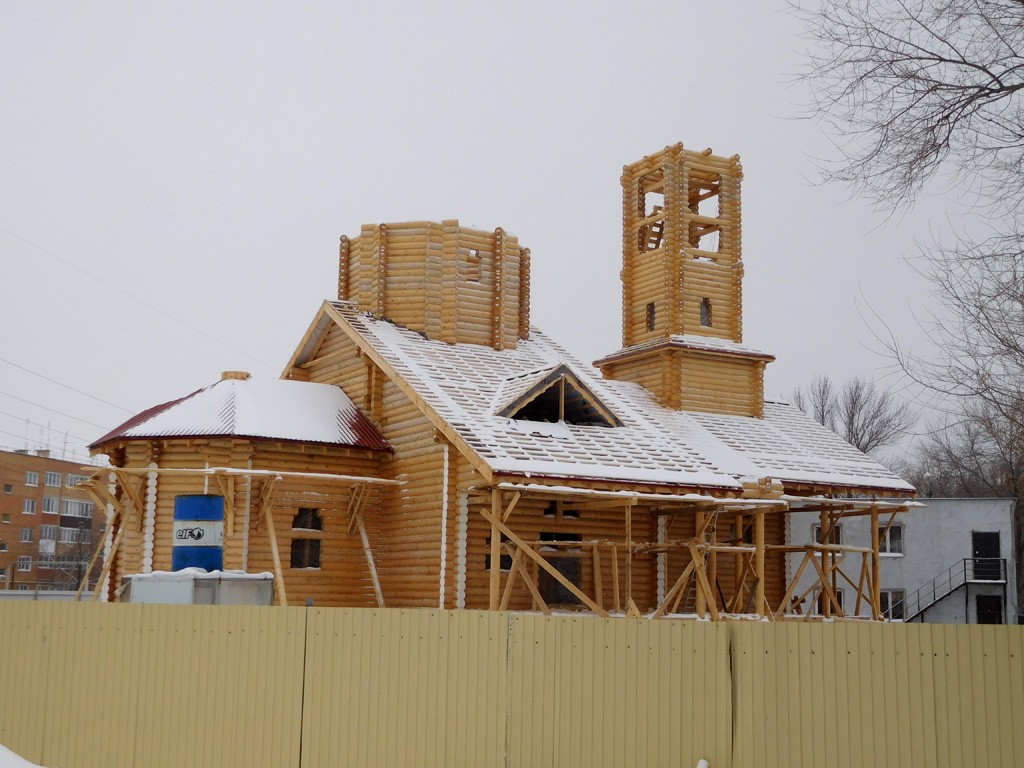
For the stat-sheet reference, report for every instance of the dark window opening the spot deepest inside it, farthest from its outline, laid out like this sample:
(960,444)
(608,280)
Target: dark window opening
(650,316)
(555,510)
(705,312)
(891,603)
(305,553)
(989,609)
(823,598)
(307,519)
(8,488)
(558,403)
(567,562)
(505,561)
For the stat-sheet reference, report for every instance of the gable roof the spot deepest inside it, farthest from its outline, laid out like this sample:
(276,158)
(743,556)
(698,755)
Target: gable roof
(583,405)
(465,386)
(271,409)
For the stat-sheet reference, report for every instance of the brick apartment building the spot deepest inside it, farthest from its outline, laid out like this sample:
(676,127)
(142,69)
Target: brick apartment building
(48,529)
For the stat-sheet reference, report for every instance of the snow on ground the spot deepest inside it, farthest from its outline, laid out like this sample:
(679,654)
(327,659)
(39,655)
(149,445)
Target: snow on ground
(9,759)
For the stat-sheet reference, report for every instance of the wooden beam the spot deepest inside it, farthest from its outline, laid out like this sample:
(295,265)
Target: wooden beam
(681,585)
(760,607)
(629,552)
(495,579)
(368,551)
(507,592)
(531,585)
(511,506)
(495,521)
(702,581)
(598,579)
(282,595)
(108,563)
(876,563)
(792,584)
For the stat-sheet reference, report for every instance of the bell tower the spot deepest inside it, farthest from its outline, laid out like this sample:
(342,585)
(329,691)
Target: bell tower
(682,273)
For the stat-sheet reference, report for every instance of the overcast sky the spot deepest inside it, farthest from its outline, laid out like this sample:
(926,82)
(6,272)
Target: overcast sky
(174,179)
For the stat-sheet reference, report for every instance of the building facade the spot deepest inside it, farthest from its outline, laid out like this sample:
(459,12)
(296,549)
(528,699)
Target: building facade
(947,561)
(426,446)
(48,527)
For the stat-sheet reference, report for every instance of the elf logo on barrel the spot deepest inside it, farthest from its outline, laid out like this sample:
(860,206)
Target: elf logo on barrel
(198,532)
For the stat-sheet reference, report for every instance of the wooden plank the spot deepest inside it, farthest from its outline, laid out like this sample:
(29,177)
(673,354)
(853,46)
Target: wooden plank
(493,518)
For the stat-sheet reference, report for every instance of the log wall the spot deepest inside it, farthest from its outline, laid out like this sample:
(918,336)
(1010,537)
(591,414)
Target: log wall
(343,577)
(453,283)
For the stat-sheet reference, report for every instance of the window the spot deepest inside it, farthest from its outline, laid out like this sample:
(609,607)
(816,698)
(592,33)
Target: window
(650,315)
(891,604)
(305,553)
(68,535)
(307,520)
(26,535)
(73,479)
(473,266)
(24,587)
(821,603)
(76,508)
(51,504)
(3,546)
(557,395)
(891,542)
(8,488)
(567,562)
(6,518)
(558,511)
(28,507)
(52,479)
(24,563)
(85,536)
(306,549)
(504,562)
(48,533)
(705,313)
(32,479)
(835,537)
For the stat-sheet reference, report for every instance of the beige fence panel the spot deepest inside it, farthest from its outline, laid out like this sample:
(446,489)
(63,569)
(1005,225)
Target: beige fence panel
(24,643)
(853,694)
(405,687)
(95,685)
(586,691)
(151,686)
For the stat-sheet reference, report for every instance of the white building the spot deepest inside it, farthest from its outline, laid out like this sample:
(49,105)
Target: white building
(949,561)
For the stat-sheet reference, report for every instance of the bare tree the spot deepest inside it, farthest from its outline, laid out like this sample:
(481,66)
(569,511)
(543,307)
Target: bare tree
(910,88)
(865,416)
(907,87)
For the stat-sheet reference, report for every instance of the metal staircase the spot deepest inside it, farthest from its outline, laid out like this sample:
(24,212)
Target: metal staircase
(970,570)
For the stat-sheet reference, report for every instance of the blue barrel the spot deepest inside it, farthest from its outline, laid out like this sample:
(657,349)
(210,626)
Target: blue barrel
(198,533)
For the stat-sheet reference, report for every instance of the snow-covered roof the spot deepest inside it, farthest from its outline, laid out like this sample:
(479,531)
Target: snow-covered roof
(274,409)
(691,341)
(466,384)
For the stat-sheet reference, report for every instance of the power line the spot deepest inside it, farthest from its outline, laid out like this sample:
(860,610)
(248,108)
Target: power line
(141,301)
(66,386)
(61,432)
(52,410)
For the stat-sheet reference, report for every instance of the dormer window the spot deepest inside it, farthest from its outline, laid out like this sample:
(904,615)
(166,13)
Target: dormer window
(558,396)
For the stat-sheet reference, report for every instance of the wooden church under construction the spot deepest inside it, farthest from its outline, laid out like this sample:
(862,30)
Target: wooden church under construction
(426,446)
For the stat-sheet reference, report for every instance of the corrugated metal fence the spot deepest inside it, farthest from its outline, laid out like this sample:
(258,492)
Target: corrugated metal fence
(91,686)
